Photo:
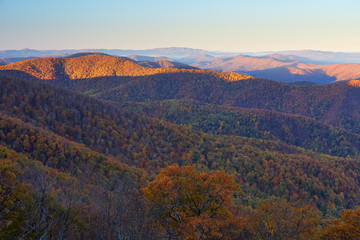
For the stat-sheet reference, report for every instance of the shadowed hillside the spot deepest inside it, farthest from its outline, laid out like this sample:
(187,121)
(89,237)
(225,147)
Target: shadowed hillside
(118,79)
(31,106)
(94,65)
(335,104)
(4,61)
(77,166)
(264,124)
(165,64)
(283,68)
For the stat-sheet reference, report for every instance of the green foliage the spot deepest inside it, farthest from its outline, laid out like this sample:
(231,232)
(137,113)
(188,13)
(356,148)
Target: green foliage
(220,120)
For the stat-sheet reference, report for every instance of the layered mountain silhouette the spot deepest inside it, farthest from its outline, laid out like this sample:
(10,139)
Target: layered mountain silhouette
(4,61)
(89,131)
(96,65)
(158,62)
(192,55)
(283,68)
(320,67)
(118,79)
(250,122)
(171,52)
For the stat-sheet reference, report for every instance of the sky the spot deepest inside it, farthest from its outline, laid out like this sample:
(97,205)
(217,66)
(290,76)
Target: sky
(222,25)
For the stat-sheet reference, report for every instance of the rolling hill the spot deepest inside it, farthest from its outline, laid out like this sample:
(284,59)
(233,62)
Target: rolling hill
(118,79)
(62,130)
(4,61)
(82,161)
(171,52)
(95,65)
(262,124)
(283,68)
(165,64)
(325,57)
(158,62)
(139,58)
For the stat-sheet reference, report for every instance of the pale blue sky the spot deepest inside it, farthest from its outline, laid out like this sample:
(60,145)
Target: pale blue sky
(225,25)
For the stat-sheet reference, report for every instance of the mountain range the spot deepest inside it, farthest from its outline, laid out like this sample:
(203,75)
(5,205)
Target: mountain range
(283,68)
(119,79)
(90,131)
(307,56)
(172,52)
(318,67)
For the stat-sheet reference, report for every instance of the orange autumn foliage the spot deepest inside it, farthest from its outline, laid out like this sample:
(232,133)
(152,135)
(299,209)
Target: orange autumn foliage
(191,204)
(284,220)
(347,227)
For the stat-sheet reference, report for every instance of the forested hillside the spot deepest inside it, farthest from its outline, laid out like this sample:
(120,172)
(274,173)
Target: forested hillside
(264,124)
(118,79)
(96,168)
(148,143)
(283,68)
(99,65)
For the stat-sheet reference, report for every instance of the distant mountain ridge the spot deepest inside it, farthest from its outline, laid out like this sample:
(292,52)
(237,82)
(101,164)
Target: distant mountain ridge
(177,53)
(297,130)
(95,141)
(325,57)
(118,79)
(100,65)
(4,61)
(321,67)
(171,52)
(158,62)
(87,132)
(283,68)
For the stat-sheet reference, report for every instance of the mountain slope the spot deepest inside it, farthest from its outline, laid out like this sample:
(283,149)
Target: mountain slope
(264,168)
(118,79)
(140,58)
(158,62)
(95,65)
(325,57)
(242,63)
(283,68)
(335,104)
(292,129)
(165,64)
(172,52)
(4,61)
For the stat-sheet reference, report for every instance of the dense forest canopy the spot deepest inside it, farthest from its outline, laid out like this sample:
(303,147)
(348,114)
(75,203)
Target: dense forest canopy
(108,149)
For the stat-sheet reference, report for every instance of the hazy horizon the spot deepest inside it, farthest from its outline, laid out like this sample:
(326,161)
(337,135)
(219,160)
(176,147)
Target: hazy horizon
(209,50)
(226,26)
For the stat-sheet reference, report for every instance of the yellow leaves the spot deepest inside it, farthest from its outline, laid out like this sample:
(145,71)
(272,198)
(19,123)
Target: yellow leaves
(194,204)
(346,227)
(283,220)
(354,83)
(12,191)
(341,195)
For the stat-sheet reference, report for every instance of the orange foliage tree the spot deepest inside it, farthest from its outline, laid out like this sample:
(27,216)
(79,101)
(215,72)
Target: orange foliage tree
(12,191)
(347,227)
(191,205)
(283,220)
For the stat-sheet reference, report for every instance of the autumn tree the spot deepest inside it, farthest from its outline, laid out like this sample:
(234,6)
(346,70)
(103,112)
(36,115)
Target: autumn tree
(12,191)
(191,205)
(347,227)
(279,219)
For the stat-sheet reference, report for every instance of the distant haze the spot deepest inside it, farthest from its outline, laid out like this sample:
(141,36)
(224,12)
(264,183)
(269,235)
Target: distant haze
(228,25)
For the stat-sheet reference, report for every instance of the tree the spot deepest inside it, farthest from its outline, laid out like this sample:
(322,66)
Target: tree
(347,227)
(12,191)
(191,205)
(283,220)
